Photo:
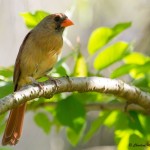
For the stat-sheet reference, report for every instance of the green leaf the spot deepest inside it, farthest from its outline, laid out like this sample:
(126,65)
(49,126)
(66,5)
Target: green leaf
(137,142)
(6,72)
(111,55)
(32,19)
(70,112)
(129,132)
(135,123)
(74,137)
(80,69)
(136,58)
(122,117)
(2,122)
(124,69)
(96,124)
(101,36)
(121,27)
(140,70)
(5,148)
(111,119)
(135,63)
(145,122)
(42,120)
(61,70)
(123,136)
(142,83)
(6,89)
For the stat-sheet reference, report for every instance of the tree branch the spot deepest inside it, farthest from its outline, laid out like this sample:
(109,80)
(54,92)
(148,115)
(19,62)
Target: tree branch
(81,84)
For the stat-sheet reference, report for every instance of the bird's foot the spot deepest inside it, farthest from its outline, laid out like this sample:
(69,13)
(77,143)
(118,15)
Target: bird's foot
(33,81)
(126,106)
(52,79)
(68,78)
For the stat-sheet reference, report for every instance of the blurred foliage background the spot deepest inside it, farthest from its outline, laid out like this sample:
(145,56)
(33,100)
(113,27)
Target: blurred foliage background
(109,39)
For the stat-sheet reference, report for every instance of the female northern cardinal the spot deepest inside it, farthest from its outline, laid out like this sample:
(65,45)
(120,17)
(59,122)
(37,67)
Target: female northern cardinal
(37,55)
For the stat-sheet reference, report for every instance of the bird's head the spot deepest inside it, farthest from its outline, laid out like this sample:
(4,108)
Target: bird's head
(56,22)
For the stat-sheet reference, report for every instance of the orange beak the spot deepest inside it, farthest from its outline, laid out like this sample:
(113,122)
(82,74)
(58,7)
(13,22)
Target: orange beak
(67,22)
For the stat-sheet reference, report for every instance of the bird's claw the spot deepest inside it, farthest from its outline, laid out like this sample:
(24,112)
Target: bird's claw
(39,85)
(52,79)
(36,83)
(126,106)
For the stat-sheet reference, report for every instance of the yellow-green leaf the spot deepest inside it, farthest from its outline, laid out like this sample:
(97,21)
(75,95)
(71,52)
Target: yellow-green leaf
(101,36)
(73,136)
(136,58)
(80,69)
(124,69)
(124,140)
(32,19)
(111,55)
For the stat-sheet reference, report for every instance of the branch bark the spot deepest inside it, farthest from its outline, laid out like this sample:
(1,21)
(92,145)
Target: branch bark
(81,84)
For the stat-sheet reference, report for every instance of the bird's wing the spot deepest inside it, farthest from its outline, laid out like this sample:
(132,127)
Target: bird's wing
(17,70)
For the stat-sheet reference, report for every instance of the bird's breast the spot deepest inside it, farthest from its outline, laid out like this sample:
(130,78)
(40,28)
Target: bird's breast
(46,63)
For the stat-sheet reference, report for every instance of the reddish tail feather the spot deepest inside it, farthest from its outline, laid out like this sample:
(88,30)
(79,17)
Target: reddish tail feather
(14,125)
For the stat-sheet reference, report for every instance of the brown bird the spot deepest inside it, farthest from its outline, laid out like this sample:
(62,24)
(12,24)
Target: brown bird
(37,55)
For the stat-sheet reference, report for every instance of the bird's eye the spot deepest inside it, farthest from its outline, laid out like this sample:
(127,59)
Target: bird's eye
(57,18)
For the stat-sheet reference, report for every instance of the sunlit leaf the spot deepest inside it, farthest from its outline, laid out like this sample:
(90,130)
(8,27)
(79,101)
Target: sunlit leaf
(6,72)
(42,120)
(129,130)
(70,112)
(124,136)
(80,69)
(124,69)
(32,19)
(111,119)
(111,55)
(101,36)
(73,136)
(135,123)
(140,70)
(145,121)
(136,142)
(136,58)
(136,65)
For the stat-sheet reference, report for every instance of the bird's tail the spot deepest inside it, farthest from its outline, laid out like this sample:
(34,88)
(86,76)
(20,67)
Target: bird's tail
(14,125)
